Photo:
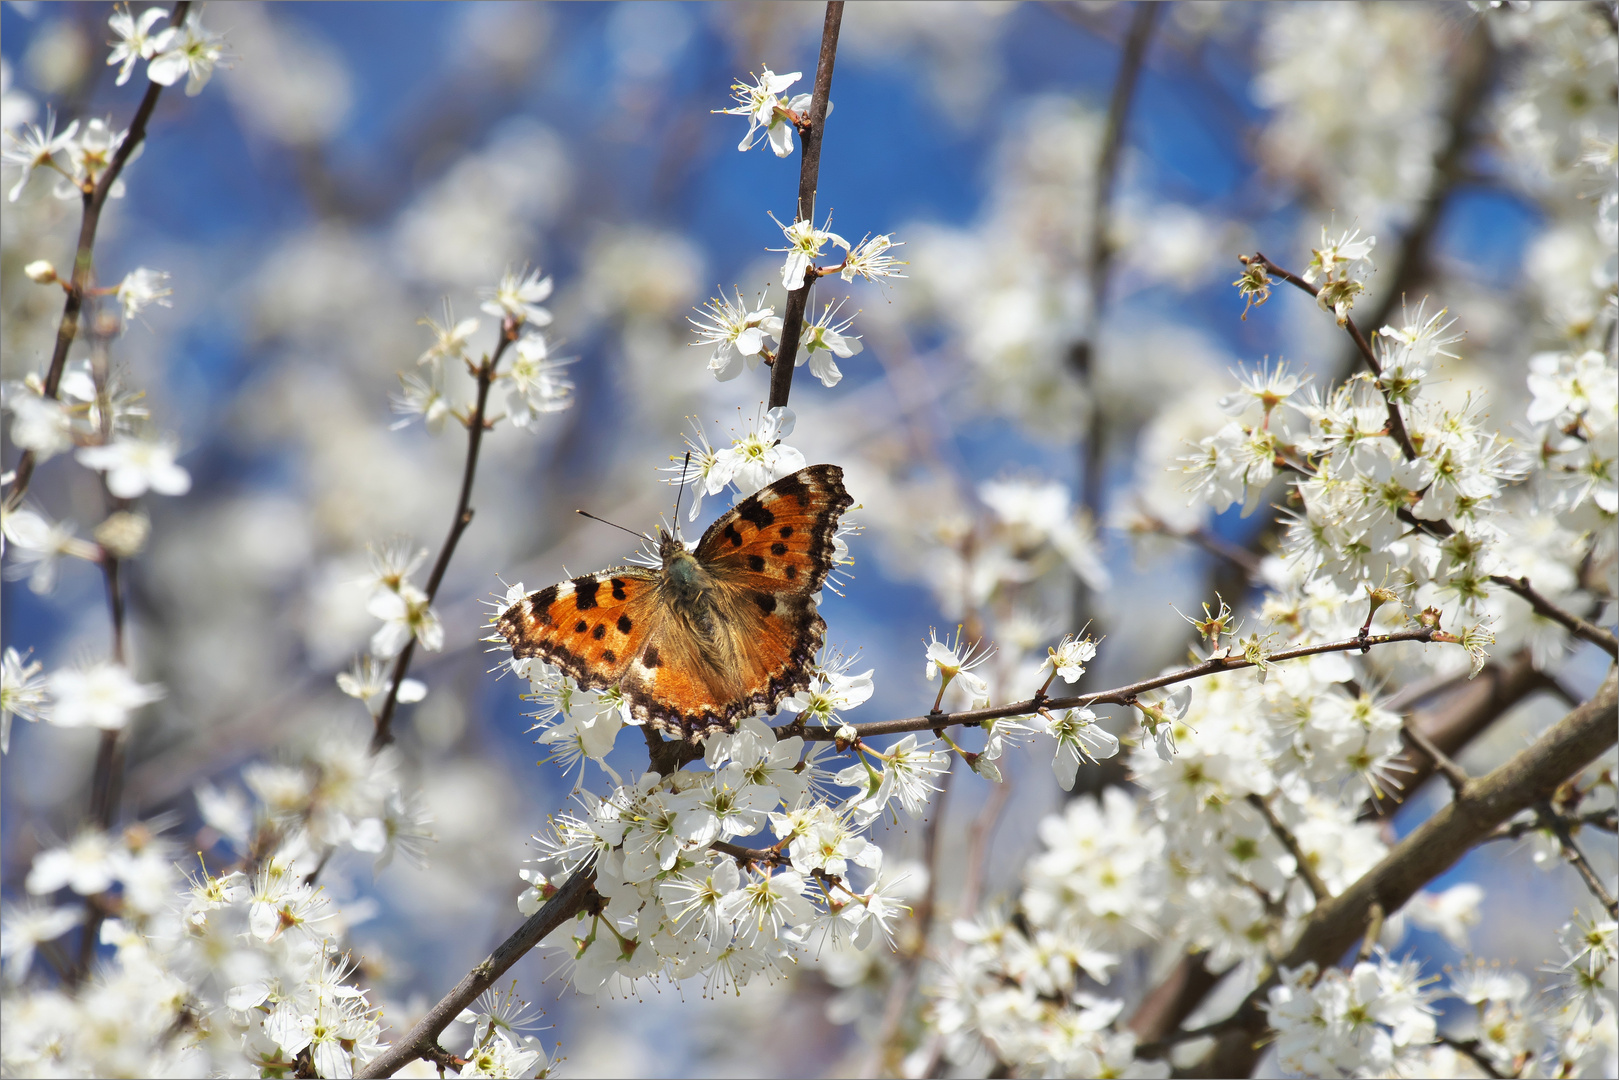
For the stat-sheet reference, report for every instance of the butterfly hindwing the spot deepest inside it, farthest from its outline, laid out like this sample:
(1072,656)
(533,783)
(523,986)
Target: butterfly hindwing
(756,659)
(779,539)
(589,627)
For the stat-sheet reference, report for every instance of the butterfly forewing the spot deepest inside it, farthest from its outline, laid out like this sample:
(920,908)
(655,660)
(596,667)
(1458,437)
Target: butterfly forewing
(780,539)
(589,627)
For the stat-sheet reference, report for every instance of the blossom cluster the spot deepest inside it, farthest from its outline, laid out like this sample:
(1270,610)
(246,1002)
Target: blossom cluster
(681,897)
(1380,1017)
(739,335)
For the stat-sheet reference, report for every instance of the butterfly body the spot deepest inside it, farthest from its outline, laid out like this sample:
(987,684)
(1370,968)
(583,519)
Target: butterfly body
(715,634)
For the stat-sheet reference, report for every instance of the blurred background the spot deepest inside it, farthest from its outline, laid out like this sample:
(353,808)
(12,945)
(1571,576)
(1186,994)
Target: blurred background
(1008,429)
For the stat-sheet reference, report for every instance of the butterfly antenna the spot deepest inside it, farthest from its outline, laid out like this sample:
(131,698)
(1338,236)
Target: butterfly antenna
(604,521)
(681,490)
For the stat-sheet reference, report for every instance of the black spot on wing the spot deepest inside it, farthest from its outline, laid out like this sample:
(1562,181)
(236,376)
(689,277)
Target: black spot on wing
(792,486)
(756,563)
(610,656)
(618,588)
(792,572)
(650,657)
(786,531)
(756,514)
(584,594)
(600,632)
(581,626)
(730,533)
(624,624)
(778,548)
(766,602)
(540,604)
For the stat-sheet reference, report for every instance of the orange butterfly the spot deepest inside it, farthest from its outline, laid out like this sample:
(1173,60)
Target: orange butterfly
(718,633)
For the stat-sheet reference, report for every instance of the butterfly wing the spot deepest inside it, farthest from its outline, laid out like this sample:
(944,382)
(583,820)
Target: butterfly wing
(589,627)
(766,557)
(779,540)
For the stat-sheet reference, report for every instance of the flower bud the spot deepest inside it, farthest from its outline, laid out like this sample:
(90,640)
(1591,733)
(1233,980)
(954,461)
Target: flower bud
(123,534)
(40,270)
(1378,597)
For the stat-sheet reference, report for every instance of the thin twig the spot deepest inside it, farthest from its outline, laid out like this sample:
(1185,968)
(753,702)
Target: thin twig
(1466,715)
(1396,421)
(476,426)
(1239,557)
(1442,763)
(1571,851)
(1082,352)
(576,896)
(792,320)
(1606,820)
(747,856)
(1121,695)
(1575,625)
(83,261)
(1307,871)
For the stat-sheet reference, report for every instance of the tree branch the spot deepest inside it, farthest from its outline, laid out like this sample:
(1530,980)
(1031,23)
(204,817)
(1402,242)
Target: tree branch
(792,321)
(1575,625)
(1122,695)
(1433,847)
(1606,820)
(383,733)
(422,1040)
(83,261)
(1093,443)
(1551,819)
(1396,421)
(1307,871)
(1463,718)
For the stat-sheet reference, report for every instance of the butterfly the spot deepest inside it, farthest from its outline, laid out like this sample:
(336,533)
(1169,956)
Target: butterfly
(714,635)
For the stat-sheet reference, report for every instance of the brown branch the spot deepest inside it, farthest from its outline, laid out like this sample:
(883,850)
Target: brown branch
(1432,848)
(1575,625)
(792,321)
(1307,871)
(422,1040)
(83,262)
(476,426)
(1551,819)
(1122,695)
